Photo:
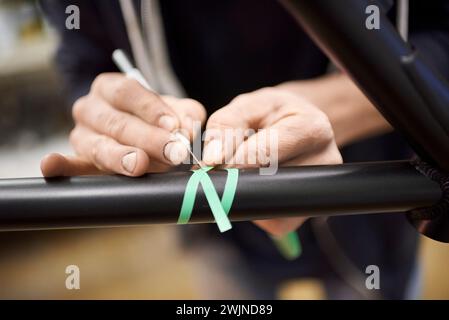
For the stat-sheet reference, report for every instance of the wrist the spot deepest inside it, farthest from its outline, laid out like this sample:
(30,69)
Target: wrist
(351,114)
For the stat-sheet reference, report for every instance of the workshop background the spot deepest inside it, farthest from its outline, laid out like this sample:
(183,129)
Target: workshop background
(134,263)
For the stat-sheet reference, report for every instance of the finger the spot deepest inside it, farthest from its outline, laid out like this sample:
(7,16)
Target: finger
(129,130)
(225,130)
(228,127)
(126,94)
(250,110)
(57,165)
(190,113)
(289,137)
(280,227)
(259,150)
(107,154)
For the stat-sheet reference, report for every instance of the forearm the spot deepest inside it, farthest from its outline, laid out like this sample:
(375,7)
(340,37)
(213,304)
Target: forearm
(351,114)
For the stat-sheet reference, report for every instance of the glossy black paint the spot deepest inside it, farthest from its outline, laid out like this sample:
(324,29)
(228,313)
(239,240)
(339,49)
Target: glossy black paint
(95,201)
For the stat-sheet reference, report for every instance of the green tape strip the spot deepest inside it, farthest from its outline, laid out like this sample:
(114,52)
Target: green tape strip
(190,194)
(229,190)
(289,245)
(221,218)
(219,209)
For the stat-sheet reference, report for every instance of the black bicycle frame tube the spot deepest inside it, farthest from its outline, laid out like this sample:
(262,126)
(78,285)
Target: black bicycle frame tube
(411,96)
(96,201)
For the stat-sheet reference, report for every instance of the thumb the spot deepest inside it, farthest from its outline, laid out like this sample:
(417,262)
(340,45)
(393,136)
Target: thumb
(235,124)
(226,129)
(57,165)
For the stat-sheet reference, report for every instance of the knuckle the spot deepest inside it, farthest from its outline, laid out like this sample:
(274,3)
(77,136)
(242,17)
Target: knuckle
(98,81)
(197,108)
(78,108)
(193,104)
(152,100)
(190,107)
(145,108)
(241,99)
(267,91)
(216,120)
(124,88)
(272,95)
(150,106)
(96,150)
(73,136)
(101,117)
(320,128)
(115,125)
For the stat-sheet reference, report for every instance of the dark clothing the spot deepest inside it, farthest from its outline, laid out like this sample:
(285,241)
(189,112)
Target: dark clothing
(220,49)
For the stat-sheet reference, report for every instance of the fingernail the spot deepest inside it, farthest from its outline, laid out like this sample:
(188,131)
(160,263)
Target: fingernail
(182,137)
(129,162)
(175,152)
(213,152)
(168,123)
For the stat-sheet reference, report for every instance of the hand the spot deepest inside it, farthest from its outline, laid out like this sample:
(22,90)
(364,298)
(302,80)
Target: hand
(351,114)
(121,127)
(305,137)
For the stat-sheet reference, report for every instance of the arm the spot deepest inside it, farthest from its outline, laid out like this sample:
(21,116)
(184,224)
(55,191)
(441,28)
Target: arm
(119,126)
(351,114)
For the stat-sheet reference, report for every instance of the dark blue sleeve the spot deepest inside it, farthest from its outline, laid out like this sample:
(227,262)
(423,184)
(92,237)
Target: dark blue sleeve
(84,53)
(429,32)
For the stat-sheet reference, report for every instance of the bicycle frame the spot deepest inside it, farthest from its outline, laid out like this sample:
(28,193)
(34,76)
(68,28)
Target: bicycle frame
(411,96)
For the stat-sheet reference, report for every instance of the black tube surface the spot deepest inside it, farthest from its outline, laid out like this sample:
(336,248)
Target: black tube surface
(408,93)
(36,203)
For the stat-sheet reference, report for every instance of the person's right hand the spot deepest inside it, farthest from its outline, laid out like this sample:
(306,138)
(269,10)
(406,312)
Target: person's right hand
(121,127)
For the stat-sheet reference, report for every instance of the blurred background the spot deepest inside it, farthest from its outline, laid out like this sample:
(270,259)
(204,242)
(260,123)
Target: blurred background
(135,263)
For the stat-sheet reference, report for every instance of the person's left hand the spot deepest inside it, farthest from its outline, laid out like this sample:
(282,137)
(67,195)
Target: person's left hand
(304,133)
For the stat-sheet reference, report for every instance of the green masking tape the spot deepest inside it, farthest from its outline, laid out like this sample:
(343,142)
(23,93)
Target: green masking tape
(219,209)
(288,245)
